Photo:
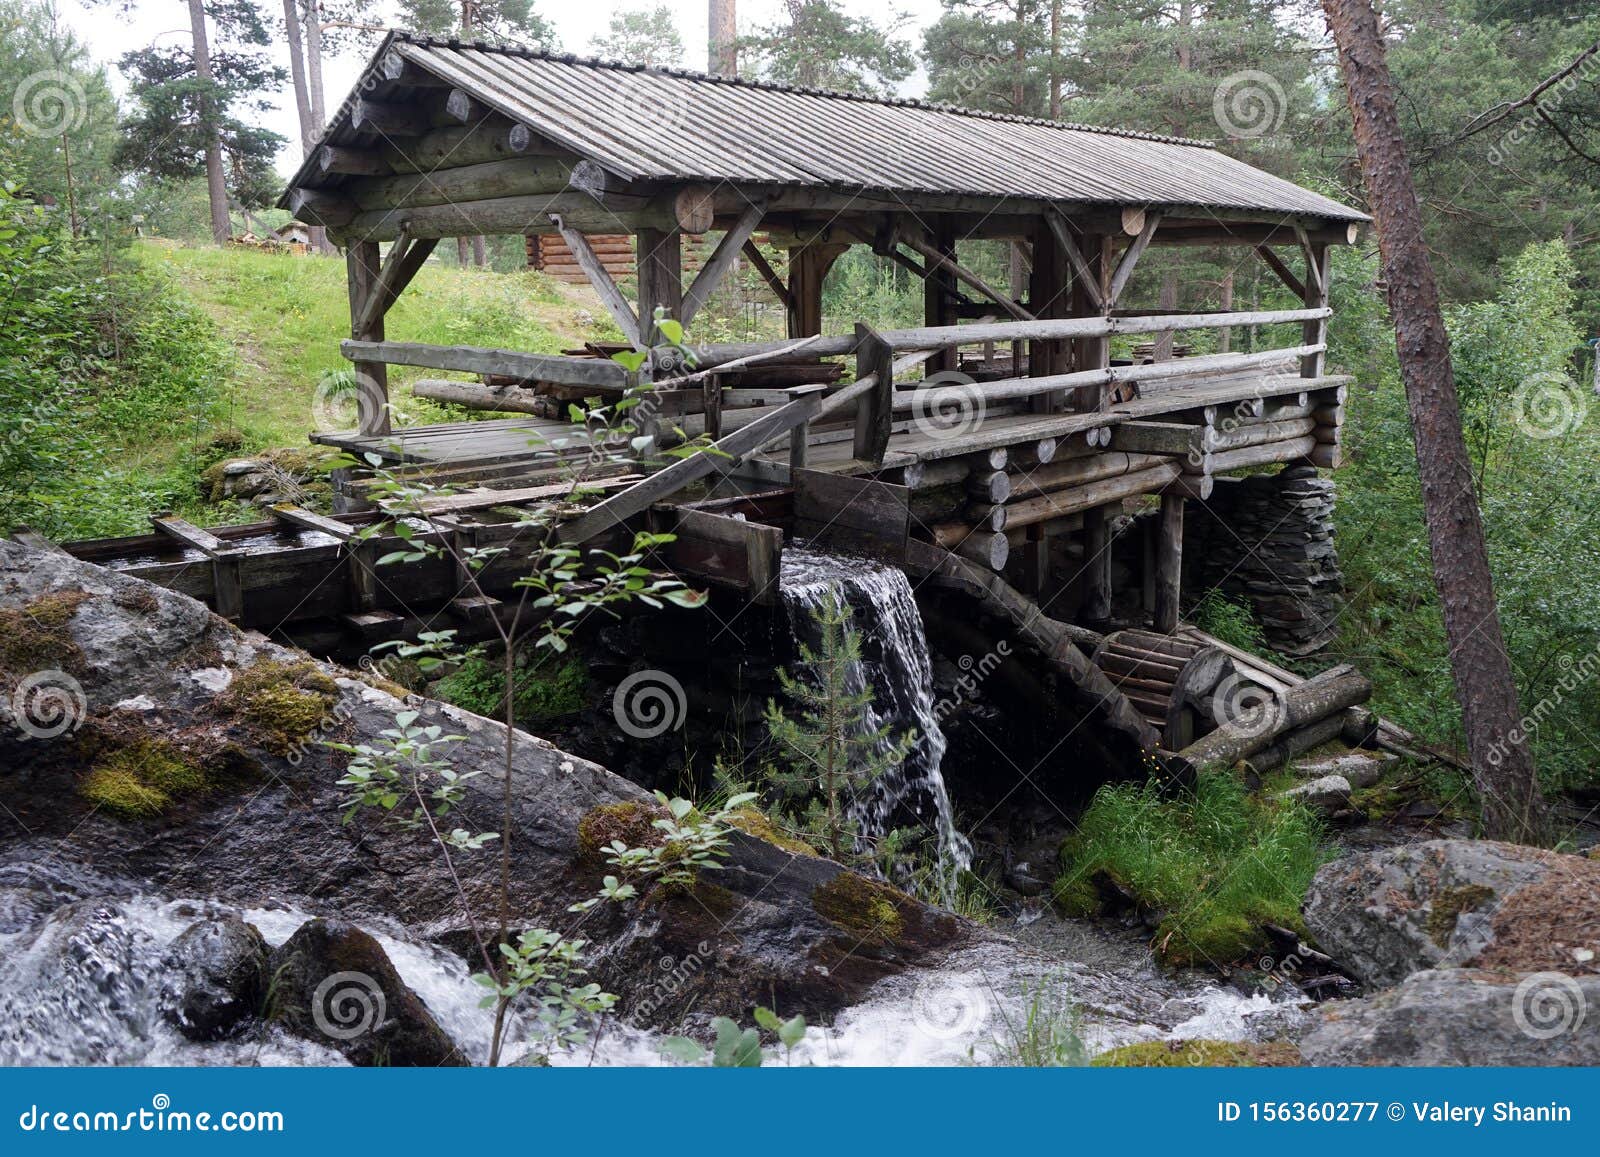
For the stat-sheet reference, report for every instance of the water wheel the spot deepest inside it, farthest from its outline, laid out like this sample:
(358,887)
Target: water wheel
(1167,679)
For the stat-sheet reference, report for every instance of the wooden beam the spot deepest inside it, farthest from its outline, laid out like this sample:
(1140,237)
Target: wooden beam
(1096,607)
(461,108)
(595,271)
(1314,332)
(227,590)
(722,259)
(724,453)
(1169,563)
(400,266)
(1086,278)
(1130,258)
(321,207)
(1313,260)
(1285,274)
(753,253)
(333,159)
(940,260)
(494,139)
(387,120)
(495,362)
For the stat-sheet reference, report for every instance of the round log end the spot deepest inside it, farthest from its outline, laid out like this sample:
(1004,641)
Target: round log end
(694,208)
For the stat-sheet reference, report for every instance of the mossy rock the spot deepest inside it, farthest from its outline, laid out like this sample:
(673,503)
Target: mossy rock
(286,703)
(755,822)
(1216,1054)
(35,637)
(867,909)
(1447,907)
(630,821)
(140,780)
(1076,895)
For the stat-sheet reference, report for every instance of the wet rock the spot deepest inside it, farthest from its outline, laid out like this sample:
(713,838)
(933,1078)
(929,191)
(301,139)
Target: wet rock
(1358,768)
(1326,795)
(215,978)
(1464,1017)
(335,985)
(265,827)
(1389,913)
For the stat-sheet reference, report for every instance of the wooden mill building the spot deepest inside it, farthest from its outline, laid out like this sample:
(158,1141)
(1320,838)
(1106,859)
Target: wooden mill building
(1002,443)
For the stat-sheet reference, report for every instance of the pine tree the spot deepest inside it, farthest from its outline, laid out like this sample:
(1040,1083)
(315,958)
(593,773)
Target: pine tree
(819,45)
(642,36)
(832,750)
(189,100)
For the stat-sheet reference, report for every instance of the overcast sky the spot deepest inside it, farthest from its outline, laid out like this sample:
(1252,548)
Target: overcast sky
(108,36)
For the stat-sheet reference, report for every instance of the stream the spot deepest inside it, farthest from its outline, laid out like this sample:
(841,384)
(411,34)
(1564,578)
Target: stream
(81,968)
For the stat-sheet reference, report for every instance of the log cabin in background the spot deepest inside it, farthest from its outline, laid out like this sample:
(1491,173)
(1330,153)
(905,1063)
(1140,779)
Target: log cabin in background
(999,447)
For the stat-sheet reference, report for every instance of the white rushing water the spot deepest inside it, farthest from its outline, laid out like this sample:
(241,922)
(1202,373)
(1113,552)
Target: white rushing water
(896,666)
(82,985)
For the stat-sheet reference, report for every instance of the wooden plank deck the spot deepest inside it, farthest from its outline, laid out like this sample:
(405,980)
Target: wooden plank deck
(452,442)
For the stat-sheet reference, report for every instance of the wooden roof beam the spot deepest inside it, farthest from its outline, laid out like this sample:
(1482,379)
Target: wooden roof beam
(594,269)
(721,260)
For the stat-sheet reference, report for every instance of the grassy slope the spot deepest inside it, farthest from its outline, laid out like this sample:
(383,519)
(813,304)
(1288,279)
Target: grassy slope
(285,316)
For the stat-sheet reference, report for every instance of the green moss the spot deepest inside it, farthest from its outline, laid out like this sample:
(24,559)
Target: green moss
(755,822)
(143,778)
(284,702)
(865,908)
(1076,895)
(543,694)
(629,821)
(1447,908)
(35,637)
(1171,1054)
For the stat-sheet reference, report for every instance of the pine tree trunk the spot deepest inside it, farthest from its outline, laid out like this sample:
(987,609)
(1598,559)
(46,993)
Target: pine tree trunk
(319,116)
(216,186)
(1503,768)
(297,74)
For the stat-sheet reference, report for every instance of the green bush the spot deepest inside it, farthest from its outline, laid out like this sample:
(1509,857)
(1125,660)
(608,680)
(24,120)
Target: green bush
(1215,863)
(1534,446)
(107,382)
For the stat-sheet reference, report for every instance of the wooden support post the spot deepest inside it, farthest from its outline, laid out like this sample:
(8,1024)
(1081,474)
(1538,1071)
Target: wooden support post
(808,265)
(1049,296)
(658,258)
(1096,610)
(1318,270)
(1169,564)
(1088,297)
(799,444)
(1130,259)
(227,591)
(372,378)
(875,410)
(938,297)
(361,554)
(711,399)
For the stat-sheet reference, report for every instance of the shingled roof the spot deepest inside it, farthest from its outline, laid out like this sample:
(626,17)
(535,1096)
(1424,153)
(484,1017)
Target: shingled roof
(675,125)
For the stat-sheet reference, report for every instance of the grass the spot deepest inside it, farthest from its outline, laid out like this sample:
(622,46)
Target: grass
(1214,865)
(1048,1035)
(285,316)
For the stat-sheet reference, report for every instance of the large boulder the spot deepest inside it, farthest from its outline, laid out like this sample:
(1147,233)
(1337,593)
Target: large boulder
(215,977)
(193,758)
(334,984)
(1465,1016)
(1455,903)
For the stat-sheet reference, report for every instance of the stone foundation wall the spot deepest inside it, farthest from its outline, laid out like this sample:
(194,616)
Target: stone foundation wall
(1267,541)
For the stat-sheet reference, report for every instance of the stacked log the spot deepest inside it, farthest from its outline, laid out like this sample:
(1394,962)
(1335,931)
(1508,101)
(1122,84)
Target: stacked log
(1298,710)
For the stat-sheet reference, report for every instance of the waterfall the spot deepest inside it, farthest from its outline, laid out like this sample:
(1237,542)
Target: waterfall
(895,664)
